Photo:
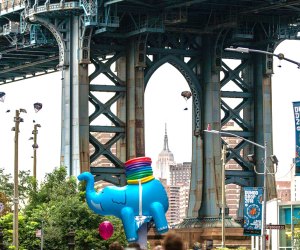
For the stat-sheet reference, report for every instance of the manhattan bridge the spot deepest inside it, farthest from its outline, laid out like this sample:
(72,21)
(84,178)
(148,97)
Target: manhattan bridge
(136,37)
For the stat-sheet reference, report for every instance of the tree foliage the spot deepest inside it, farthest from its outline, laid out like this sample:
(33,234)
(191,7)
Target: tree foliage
(4,202)
(296,228)
(24,187)
(60,207)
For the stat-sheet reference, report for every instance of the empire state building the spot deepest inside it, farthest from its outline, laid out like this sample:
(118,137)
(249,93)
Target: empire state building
(165,159)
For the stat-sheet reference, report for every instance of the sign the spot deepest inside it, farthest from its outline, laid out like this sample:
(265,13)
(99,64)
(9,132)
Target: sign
(296,107)
(253,197)
(278,227)
(38,233)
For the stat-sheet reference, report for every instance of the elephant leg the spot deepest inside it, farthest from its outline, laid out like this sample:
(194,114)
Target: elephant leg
(129,224)
(158,213)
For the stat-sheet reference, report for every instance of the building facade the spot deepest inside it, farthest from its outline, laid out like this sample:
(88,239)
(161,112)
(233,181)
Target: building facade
(180,174)
(232,191)
(283,190)
(295,184)
(177,204)
(103,138)
(286,214)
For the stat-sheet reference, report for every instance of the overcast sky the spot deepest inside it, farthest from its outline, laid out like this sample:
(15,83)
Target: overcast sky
(163,103)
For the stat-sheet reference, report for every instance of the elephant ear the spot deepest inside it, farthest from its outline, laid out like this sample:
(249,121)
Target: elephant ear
(119,197)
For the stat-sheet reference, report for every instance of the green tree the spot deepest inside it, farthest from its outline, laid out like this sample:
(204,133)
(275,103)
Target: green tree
(62,207)
(5,208)
(59,205)
(7,187)
(296,229)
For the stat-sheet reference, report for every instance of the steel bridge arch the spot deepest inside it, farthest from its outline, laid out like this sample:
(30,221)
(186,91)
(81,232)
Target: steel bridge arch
(63,59)
(192,81)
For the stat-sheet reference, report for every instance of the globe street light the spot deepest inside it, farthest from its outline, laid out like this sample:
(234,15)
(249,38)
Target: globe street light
(280,56)
(264,231)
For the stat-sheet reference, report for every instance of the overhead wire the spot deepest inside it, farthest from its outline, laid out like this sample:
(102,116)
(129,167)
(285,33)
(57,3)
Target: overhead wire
(281,177)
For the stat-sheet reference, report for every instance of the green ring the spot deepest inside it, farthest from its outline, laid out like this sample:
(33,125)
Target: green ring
(149,172)
(139,176)
(140,172)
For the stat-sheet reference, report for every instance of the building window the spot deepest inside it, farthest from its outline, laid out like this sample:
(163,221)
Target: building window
(291,221)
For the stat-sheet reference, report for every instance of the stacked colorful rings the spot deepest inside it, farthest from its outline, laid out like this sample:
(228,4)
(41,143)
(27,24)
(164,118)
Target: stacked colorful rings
(138,169)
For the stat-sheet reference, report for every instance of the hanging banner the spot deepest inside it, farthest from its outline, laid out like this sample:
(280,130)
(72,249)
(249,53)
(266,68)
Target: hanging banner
(296,106)
(253,197)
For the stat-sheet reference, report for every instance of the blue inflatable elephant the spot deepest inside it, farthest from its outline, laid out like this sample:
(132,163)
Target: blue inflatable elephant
(126,203)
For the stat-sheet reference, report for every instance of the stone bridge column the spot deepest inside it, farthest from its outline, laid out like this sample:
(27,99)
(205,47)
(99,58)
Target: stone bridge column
(211,198)
(135,104)
(263,122)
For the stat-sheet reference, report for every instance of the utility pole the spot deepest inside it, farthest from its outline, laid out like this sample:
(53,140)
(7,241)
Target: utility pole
(17,120)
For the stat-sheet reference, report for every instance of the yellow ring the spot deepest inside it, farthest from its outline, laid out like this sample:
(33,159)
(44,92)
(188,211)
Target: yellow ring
(143,180)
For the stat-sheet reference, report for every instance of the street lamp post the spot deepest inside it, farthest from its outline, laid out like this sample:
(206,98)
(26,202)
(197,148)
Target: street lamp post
(265,184)
(42,235)
(17,120)
(280,56)
(35,146)
(223,194)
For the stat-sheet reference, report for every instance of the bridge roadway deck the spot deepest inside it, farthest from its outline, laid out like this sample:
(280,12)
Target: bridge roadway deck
(21,57)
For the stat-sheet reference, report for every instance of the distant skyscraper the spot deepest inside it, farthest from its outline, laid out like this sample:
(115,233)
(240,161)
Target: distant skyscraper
(176,179)
(178,202)
(165,159)
(178,192)
(180,174)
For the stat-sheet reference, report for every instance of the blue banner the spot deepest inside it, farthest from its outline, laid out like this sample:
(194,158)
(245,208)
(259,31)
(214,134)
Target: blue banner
(296,107)
(253,197)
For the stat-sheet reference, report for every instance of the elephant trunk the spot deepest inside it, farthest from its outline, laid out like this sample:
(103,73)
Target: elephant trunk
(89,178)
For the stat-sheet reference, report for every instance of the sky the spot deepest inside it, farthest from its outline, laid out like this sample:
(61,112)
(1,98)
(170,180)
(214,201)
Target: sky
(164,106)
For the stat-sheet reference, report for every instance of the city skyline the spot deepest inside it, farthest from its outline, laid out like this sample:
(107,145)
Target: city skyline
(163,105)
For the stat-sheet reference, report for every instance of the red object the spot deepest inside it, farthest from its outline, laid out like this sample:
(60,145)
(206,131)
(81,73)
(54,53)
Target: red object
(208,127)
(267,237)
(106,230)
(138,159)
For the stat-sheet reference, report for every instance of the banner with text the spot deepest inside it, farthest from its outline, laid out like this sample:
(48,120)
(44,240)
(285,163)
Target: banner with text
(253,197)
(296,106)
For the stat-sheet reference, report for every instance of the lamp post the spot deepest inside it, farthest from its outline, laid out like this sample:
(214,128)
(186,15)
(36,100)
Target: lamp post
(265,184)
(280,56)
(34,146)
(223,194)
(42,235)
(17,120)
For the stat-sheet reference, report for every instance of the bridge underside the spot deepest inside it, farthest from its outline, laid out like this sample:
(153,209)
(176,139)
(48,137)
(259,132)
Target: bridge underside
(126,42)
